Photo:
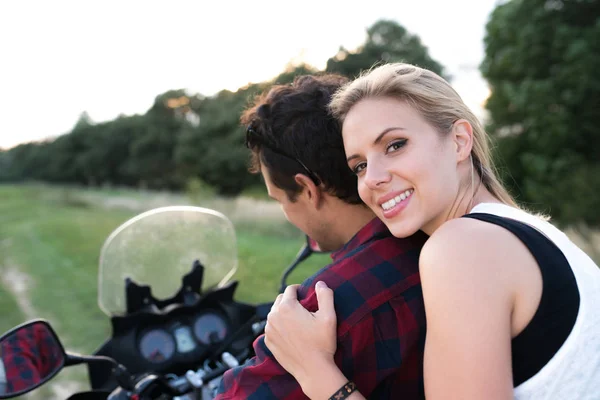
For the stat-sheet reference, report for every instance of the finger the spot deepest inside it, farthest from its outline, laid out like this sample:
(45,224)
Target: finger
(270,330)
(277,301)
(270,345)
(290,293)
(269,336)
(325,299)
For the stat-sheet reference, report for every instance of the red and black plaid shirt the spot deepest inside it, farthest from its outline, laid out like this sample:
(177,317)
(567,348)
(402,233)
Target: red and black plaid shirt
(381,323)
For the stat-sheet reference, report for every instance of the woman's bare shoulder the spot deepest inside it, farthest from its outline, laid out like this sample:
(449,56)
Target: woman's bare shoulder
(464,235)
(485,252)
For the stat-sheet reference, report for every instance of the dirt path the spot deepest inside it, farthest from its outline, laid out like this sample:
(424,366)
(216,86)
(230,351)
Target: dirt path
(17,283)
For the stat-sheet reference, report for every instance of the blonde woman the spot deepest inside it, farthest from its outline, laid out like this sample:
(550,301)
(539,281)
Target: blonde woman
(512,306)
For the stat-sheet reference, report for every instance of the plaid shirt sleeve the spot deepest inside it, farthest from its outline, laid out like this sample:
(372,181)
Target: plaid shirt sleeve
(382,353)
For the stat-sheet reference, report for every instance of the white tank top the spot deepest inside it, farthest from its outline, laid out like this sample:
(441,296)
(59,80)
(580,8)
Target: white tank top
(574,371)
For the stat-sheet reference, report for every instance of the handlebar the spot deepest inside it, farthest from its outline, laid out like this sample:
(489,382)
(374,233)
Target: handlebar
(179,387)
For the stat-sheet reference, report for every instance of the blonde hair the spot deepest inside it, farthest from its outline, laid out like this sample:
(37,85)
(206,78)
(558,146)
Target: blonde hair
(437,102)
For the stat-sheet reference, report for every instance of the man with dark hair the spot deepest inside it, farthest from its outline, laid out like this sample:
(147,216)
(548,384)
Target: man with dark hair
(297,146)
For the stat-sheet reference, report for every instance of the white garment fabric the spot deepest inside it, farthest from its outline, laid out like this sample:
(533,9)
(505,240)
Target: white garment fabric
(574,371)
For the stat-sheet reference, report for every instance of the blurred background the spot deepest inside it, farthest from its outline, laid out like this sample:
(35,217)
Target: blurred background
(111,108)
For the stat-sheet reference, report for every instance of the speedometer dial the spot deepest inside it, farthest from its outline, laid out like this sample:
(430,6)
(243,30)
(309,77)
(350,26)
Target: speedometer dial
(157,346)
(210,328)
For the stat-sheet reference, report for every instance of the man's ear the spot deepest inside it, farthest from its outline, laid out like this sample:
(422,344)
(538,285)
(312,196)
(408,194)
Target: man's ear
(462,136)
(312,192)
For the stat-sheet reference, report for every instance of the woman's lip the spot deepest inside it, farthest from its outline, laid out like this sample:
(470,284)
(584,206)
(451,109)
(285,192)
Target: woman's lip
(398,208)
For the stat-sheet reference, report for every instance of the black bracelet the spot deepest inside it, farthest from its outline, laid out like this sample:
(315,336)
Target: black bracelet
(344,391)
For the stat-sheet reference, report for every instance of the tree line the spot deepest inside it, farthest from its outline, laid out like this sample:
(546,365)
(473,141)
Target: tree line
(541,62)
(184,135)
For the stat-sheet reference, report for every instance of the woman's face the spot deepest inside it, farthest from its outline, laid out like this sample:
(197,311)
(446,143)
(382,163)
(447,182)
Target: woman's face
(407,171)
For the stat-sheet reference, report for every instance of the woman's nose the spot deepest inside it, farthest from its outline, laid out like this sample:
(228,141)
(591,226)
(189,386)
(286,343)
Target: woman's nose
(376,175)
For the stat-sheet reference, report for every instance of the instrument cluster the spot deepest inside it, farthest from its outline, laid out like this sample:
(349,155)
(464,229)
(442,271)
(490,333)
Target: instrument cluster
(160,344)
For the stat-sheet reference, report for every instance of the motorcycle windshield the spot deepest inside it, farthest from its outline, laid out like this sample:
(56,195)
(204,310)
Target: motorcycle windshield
(158,247)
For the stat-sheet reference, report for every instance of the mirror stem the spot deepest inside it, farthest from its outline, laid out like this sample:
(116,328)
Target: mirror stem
(119,371)
(302,255)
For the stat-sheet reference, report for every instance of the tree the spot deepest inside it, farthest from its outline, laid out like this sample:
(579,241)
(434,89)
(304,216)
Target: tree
(214,151)
(5,171)
(386,42)
(292,71)
(151,153)
(542,62)
(84,121)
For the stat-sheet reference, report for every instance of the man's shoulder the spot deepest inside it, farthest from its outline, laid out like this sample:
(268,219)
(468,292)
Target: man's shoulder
(381,255)
(369,276)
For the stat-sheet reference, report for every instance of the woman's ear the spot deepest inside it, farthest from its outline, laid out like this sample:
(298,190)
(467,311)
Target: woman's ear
(462,135)
(312,192)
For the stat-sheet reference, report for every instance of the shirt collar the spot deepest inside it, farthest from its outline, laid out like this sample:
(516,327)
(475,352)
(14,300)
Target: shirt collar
(372,229)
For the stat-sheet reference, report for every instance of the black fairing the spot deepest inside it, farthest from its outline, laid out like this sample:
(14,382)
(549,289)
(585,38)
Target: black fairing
(90,395)
(146,313)
(139,297)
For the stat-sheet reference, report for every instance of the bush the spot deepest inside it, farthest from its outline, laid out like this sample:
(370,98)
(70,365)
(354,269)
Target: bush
(197,190)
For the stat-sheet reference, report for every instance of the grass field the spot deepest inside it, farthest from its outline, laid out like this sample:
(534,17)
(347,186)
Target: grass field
(50,239)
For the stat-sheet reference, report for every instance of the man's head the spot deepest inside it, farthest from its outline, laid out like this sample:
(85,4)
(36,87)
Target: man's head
(297,146)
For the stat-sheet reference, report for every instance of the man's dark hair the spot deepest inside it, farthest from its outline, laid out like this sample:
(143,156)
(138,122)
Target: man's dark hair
(290,131)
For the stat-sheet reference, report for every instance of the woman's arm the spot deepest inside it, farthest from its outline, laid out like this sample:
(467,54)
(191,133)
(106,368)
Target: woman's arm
(468,290)
(308,354)
(468,271)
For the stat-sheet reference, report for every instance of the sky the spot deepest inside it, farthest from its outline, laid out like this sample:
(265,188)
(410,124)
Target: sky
(60,58)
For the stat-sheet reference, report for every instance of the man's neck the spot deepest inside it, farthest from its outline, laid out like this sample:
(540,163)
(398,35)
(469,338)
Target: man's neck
(348,219)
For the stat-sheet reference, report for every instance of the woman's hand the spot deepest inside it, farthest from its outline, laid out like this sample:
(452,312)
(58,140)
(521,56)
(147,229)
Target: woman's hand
(303,342)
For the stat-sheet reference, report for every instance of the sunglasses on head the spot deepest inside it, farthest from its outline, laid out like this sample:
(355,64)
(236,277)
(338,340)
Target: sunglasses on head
(251,135)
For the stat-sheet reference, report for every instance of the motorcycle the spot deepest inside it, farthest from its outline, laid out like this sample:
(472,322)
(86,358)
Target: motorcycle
(176,329)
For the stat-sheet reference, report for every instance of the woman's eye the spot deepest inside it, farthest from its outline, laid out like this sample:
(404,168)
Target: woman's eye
(396,145)
(359,167)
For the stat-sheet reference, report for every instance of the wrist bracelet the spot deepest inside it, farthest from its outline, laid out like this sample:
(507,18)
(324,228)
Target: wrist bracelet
(344,391)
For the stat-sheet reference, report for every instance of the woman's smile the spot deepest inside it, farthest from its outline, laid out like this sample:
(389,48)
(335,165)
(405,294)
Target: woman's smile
(394,203)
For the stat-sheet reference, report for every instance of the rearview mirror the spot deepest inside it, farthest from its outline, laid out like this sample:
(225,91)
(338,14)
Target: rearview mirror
(30,355)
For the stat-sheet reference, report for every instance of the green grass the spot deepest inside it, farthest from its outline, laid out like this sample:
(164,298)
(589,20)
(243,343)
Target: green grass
(11,313)
(54,237)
